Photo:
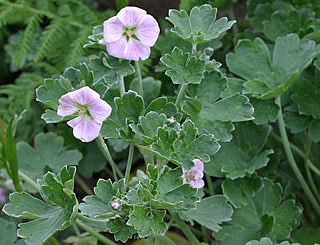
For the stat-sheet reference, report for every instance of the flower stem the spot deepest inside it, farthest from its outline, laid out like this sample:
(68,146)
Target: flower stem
(29,181)
(185,228)
(139,78)
(97,235)
(210,185)
(291,160)
(84,185)
(164,239)
(129,165)
(122,86)
(181,93)
(105,151)
(88,220)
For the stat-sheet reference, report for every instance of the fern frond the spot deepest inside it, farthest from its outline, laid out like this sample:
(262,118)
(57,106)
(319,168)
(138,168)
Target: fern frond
(6,15)
(27,38)
(53,33)
(48,69)
(86,14)
(77,50)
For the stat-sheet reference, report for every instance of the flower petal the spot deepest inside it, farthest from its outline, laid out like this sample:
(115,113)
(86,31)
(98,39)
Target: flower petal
(67,105)
(100,110)
(198,165)
(85,128)
(148,30)
(197,183)
(117,48)
(112,29)
(131,16)
(85,96)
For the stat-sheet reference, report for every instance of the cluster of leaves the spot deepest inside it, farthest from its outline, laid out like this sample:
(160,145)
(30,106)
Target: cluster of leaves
(224,117)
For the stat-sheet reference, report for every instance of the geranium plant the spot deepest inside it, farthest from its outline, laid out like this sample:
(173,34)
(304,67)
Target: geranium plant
(195,135)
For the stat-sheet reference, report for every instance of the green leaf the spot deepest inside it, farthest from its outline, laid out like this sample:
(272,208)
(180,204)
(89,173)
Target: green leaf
(212,114)
(171,193)
(250,221)
(51,116)
(129,107)
(243,155)
(200,26)
(161,105)
(8,233)
(306,235)
(120,229)
(238,191)
(99,205)
(268,78)
(268,241)
(151,88)
(183,68)
(109,129)
(57,212)
(265,111)
(147,221)
(210,212)
(148,125)
(181,147)
(48,152)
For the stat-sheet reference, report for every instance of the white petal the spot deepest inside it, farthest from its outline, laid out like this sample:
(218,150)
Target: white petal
(112,29)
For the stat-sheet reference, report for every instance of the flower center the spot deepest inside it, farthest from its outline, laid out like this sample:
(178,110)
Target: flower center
(83,109)
(128,32)
(190,176)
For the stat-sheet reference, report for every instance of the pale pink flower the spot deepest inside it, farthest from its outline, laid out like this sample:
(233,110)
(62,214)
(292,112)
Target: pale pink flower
(130,34)
(194,175)
(90,110)
(115,205)
(2,197)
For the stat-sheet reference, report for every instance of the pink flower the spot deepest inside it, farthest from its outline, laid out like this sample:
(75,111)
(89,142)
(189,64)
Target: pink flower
(91,111)
(194,175)
(115,205)
(130,34)
(2,197)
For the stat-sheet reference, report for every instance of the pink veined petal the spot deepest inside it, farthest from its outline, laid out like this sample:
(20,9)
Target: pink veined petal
(198,165)
(67,105)
(197,183)
(131,16)
(112,29)
(100,110)
(85,96)
(136,50)
(148,30)
(85,128)
(117,48)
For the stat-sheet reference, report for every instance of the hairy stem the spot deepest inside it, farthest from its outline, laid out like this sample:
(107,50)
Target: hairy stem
(181,93)
(185,229)
(88,220)
(164,239)
(28,180)
(122,86)
(129,164)
(97,235)
(106,153)
(83,185)
(139,78)
(210,185)
(291,160)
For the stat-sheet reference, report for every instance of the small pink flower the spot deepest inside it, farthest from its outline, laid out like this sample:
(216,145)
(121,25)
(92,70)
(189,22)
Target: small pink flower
(130,34)
(2,197)
(194,175)
(90,109)
(115,205)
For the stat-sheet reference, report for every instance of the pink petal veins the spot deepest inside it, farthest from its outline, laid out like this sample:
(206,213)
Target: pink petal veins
(131,16)
(135,50)
(85,96)
(101,110)
(117,48)
(67,105)
(148,31)
(86,129)
(112,29)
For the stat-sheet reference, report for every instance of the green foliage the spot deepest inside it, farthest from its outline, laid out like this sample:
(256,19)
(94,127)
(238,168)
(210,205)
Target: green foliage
(273,217)
(48,152)
(265,77)
(57,212)
(267,241)
(8,233)
(214,114)
(243,155)
(200,25)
